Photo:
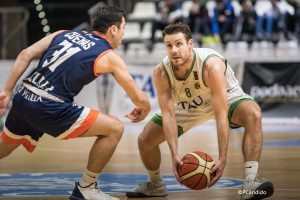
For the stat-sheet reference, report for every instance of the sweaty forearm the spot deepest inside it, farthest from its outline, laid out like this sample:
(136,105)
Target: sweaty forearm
(223,137)
(170,130)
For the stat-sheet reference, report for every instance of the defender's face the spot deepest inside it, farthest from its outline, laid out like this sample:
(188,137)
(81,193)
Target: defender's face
(119,34)
(178,48)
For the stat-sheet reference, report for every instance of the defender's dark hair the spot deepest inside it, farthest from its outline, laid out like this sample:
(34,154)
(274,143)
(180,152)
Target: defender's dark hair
(178,27)
(106,16)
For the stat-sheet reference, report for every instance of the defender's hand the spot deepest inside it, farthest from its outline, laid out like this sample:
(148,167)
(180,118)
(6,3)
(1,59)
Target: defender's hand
(136,115)
(4,99)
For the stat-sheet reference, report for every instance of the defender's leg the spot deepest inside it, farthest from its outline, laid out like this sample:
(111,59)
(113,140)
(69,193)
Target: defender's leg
(6,149)
(109,131)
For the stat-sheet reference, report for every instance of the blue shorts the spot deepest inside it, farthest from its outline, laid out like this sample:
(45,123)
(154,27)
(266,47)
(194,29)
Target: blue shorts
(31,116)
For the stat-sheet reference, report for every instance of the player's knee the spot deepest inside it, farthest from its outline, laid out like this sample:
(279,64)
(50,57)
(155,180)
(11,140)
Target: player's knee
(144,143)
(254,117)
(118,129)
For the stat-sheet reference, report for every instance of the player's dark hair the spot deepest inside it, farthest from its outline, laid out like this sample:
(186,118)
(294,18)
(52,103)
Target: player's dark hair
(106,16)
(178,27)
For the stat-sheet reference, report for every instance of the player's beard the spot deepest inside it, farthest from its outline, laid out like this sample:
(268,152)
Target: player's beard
(181,61)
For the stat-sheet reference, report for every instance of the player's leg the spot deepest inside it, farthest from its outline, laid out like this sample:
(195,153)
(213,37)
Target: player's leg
(148,142)
(6,149)
(9,139)
(109,131)
(248,115)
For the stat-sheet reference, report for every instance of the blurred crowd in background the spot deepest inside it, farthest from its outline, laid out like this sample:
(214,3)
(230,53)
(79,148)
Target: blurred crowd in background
(213,22)
(221,21)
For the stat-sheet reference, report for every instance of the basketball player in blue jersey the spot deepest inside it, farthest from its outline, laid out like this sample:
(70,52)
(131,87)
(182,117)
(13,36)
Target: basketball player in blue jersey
(195,85)
(44,104)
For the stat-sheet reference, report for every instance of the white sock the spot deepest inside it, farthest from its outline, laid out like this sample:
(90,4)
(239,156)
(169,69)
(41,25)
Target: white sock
(88,178)
(251,168)
(155,177)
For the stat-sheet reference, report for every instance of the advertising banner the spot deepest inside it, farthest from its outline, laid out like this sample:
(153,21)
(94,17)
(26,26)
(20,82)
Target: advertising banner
(275,86)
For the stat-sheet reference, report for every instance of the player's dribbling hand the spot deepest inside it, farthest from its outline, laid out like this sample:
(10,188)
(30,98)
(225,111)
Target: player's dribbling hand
(176,161)
(218,171)
(136,115)
(4,99)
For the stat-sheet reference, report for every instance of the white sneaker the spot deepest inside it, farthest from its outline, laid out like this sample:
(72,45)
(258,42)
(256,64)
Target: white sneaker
(256,189)
(147,189)
(91,192)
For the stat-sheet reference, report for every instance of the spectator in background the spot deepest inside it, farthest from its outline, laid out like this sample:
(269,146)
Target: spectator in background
(223,20)
(199,20)
(297,22)
(291,18)
(286,12)
(246,23)
(169,11)
(268,15)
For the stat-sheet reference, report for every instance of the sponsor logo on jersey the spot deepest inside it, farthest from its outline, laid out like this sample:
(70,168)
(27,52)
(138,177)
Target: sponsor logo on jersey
(197,85)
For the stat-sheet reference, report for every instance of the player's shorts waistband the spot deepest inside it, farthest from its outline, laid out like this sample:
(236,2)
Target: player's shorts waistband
(42,93)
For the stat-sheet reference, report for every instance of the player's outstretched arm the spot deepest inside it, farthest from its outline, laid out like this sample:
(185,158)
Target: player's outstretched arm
(112,63)
(22,62)
(166,105)
(214,77)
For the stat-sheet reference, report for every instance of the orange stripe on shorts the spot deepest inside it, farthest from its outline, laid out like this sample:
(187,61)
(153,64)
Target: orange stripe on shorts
(84,126)
(26,143)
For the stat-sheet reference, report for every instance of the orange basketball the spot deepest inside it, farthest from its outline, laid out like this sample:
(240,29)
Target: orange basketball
(195,171)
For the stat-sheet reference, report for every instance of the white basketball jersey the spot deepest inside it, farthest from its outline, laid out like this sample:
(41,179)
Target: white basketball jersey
(192,98)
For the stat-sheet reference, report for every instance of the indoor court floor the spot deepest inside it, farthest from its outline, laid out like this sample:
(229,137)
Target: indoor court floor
(279,161)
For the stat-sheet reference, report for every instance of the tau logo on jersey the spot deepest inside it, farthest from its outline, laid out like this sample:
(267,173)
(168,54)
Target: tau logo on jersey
(192,104)
(62,184)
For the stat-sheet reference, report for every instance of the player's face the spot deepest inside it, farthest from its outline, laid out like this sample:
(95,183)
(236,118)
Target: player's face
(119,34)
(178,49)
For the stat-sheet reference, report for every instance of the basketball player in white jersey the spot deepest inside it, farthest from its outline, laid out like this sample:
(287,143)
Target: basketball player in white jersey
(195,85)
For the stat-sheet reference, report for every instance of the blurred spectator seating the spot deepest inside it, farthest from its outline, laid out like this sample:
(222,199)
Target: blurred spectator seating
(199,21)
(168,11)
(246,23)
(223,20)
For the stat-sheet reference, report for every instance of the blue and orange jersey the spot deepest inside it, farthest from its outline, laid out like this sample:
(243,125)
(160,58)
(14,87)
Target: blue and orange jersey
(68,63)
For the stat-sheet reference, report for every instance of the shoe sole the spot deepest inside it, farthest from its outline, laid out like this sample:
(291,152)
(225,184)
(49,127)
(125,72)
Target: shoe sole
(75,198)
(141,195)
(267,187)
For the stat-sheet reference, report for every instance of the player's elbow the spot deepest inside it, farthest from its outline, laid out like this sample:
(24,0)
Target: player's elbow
(25,55)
